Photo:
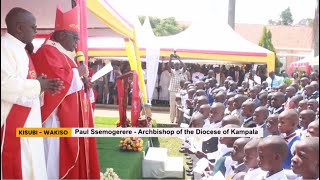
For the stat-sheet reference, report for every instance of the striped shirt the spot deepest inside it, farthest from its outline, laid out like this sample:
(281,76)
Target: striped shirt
(176,77)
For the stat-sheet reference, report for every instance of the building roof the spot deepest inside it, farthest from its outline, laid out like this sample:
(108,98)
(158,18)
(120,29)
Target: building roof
(283,37)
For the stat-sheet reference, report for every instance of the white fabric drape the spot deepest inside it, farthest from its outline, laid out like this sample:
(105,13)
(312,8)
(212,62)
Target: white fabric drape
(152,57)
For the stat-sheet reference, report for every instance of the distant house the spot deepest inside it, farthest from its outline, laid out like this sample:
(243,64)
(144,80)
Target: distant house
(292,43)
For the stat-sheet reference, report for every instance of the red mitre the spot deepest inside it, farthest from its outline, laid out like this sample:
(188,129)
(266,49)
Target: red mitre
(69,20)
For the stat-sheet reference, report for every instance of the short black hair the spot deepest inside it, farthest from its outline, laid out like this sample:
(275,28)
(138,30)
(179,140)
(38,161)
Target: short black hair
(15,12)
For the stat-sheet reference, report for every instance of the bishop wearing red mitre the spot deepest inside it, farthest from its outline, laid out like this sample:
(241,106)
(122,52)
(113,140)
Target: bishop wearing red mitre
(67,158)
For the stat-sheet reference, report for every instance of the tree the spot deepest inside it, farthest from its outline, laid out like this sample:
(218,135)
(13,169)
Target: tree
(141,19)
(306,22)
(266,42)
(164,27)
(272,22)
(285,18)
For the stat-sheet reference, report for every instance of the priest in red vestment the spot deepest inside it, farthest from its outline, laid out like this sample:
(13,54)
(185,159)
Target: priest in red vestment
(67,158)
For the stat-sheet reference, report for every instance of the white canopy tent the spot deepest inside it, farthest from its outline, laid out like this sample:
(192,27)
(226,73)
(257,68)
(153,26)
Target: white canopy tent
(314,61)
(304,63)
(201,41)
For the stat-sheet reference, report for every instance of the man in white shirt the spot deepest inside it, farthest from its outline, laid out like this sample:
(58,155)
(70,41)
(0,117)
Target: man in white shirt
(197,76)
(273,80)
(164,84)
(22,158)
(252,78)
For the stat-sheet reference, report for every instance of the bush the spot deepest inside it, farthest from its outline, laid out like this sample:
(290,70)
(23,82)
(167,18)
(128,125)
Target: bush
(288,81)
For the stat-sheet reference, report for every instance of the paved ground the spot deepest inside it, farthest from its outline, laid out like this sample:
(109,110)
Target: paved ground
(162,116)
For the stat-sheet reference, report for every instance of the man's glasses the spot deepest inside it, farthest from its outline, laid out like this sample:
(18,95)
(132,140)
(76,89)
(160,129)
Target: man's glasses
(74,35)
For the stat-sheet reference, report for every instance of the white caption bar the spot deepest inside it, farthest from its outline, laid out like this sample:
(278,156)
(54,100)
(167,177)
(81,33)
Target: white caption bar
(167,132)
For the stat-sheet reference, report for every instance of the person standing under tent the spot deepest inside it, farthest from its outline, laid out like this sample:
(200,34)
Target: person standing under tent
(164,83)
(111,79)
(67,158)
(273,80)
(174,87)
(252,78)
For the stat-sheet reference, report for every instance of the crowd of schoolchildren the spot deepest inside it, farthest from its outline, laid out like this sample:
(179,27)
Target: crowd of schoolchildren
(287,113)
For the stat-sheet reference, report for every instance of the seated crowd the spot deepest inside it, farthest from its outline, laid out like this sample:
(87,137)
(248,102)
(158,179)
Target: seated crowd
(287,113)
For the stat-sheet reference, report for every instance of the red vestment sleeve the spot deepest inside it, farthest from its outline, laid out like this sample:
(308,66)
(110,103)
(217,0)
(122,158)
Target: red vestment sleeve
(51,62)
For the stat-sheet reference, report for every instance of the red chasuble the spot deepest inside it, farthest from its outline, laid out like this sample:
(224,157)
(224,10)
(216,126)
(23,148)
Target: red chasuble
(78,156)
(11,155)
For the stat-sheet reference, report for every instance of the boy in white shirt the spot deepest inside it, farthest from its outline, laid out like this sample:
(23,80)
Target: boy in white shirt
(251,161)
(272,152)
(306,117)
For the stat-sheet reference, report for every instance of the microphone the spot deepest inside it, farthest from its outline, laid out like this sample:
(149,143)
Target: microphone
(80,59)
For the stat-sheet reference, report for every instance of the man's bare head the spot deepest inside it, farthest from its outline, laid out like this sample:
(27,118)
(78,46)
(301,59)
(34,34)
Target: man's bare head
(315,84)
(230,120)
(306,159)
(197,120)
(216,112)
(21,24)
(296,86)
(306,117)
(202,100)
(248,108)
(288,121)
(275,144)
(290,91)
(199,85)
(200,92)
(313,129)
(294,102)
(277,99)
(313,105)
(220,97)
(205,110)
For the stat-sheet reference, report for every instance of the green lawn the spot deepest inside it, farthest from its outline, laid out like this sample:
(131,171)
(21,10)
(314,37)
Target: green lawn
(111,156)
(122,162)
(105,122)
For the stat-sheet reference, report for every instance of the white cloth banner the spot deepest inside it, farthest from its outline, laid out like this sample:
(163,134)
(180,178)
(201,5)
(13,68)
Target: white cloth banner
(152,57)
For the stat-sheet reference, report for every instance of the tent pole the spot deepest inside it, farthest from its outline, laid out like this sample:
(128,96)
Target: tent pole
(270,62)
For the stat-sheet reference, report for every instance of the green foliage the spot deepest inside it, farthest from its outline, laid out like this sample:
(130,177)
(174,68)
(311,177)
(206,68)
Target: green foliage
(164,27)
(109,122)
(288,81)
(286,17)
(306,22)
(141,19)
(266,42)
(272,22)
